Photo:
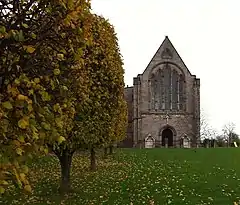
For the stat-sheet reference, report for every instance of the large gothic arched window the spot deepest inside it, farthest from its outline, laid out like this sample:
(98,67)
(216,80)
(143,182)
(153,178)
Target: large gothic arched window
(167,89)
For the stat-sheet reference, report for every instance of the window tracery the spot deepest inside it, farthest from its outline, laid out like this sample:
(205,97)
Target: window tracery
(167,89)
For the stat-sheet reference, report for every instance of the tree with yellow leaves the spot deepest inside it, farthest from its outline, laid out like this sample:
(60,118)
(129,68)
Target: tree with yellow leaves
(101,117)
(41,67)
(61,85)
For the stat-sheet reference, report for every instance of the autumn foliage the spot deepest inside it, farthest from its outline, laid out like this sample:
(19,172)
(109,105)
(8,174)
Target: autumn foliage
(103,115)
(61,82)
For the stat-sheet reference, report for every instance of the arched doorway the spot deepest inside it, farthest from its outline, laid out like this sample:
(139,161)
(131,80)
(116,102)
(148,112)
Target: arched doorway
(167,137)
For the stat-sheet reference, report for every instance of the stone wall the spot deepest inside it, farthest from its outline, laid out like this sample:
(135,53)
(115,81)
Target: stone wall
(153,124)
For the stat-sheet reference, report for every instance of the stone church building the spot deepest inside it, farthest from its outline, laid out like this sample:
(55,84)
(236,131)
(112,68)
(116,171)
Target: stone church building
(163,103)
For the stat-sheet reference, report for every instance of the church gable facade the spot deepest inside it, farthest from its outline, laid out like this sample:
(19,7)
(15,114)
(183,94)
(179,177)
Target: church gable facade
(163,103)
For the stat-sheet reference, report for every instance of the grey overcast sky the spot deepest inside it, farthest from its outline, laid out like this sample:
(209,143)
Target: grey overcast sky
(206,34)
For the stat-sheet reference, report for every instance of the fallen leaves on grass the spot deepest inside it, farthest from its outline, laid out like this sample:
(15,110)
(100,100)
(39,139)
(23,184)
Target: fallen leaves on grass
(136,177)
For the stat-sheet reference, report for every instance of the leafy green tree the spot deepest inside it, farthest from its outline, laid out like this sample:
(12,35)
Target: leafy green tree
(41,74)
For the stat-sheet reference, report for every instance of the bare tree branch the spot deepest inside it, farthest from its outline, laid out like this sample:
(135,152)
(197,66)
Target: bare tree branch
(229,131)
(206,131)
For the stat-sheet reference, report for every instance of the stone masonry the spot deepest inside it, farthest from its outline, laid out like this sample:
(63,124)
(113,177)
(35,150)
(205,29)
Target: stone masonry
(164,102)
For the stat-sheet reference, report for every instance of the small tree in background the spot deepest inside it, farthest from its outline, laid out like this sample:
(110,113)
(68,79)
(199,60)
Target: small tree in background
(206,131)
(234,137)
(220,141)
(229,133)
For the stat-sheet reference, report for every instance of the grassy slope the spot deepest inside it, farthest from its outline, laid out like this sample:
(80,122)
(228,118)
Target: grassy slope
(165,176)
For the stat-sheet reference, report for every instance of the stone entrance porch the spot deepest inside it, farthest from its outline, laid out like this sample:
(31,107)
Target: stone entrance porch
(167,136)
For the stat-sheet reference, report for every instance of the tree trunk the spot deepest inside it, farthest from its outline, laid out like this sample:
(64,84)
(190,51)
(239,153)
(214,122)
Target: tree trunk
(111,149)
(93,160)
(65,159)
(105,151)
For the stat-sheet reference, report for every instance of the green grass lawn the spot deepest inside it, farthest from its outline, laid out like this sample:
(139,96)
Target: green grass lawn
(140,176)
